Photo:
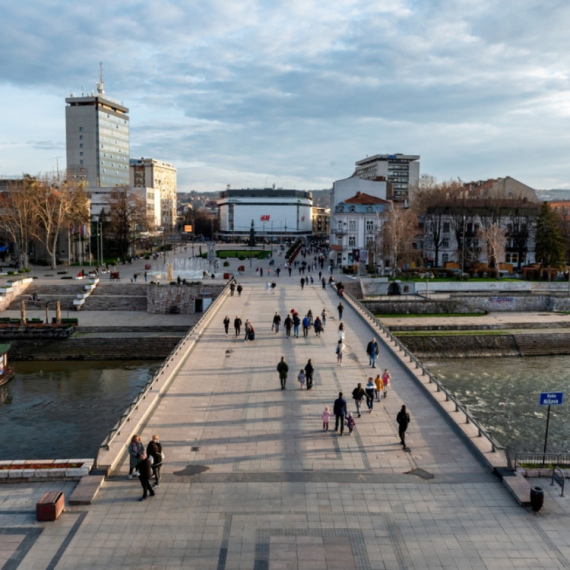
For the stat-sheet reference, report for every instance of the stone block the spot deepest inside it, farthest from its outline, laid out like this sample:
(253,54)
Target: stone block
(15,473)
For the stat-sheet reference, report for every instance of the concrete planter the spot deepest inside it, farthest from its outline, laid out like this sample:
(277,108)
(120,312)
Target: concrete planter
(25,473)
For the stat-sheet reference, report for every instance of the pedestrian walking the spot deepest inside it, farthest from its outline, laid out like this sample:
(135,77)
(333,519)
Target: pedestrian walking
(154,450)
(136,448)
(358,394)
(309,371)
(320,275)
(249,332)
(324,316)
(324,283)
(276,322)
(296,324)
(379,386)
(341,331)
(288,324)
(339,409)
(318,327)
(273,286)
(340,310)
(302,378)
(326,416)
(350,422)
(268,287)
(310,316)
(239,289)
(302,283)
(237,326)
(289,269)
(403,419)
(306,326)
(386,381)
(145,473)
(227,325)
(283,369)
(232,288)
(145,277)
(370,389)
(261,271)
(372,351)
(339,352)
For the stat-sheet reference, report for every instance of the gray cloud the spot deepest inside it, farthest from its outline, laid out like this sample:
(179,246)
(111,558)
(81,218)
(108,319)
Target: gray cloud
(299,90)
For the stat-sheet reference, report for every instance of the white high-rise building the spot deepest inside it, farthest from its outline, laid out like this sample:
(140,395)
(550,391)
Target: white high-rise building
(401,171)
(97,139)
(161,178)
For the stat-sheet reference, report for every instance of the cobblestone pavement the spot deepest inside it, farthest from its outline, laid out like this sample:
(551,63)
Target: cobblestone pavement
(252,482)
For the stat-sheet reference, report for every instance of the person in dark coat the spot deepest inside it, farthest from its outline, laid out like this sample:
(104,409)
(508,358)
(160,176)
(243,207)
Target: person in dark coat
(288,324)
(136,447)
(239,289)
(296,323)
(145,473)
(276,322)
(237,325)
(283,368)
(318,327)
(340,310)
(372,351)
(403,419)
(154,450)
(232,288)
(358,394)
(227,325)
(339,410)
(309,371)
(302,282)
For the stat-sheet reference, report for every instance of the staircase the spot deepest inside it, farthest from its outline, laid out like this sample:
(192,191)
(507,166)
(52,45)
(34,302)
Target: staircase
(64,292)
(117,297)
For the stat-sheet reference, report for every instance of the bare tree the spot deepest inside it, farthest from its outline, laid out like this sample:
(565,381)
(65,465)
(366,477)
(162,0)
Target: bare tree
(127,217)
(495,240)
(398,233)
(18,214)
(58,203)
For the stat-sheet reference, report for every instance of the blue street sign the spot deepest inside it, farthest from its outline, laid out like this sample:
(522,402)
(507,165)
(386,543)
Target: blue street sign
(551,398)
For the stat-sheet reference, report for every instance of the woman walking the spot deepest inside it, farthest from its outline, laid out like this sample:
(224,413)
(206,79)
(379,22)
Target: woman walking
(339,352)
(136,449)
(341,331)
(318,327)
(324,315)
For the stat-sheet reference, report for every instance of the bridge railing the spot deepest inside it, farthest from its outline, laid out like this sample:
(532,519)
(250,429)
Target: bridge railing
(538,460)
(126,416)
(431,378)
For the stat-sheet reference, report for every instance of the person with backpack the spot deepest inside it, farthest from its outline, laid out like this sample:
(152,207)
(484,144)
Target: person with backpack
(237,326)
(403,419)
(154,450)
(306,326)
(358,394)
(296,323)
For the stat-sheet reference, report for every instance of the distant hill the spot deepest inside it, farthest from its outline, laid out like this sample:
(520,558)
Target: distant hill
(553,195)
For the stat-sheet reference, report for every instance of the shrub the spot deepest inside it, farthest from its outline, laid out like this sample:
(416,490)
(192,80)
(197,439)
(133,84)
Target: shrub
(226,263)
(11,273)
(66,277)
(62,272)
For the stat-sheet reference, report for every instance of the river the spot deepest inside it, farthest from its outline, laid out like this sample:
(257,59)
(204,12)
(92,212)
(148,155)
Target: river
(502,393)
(63,410)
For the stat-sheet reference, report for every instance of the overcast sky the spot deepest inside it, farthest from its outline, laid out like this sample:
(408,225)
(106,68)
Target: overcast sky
(251,92)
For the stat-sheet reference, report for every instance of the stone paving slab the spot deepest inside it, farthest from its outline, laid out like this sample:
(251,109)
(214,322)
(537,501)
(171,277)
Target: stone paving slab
(277,492)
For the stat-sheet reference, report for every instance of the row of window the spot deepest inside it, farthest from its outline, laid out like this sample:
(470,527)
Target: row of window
(370,225)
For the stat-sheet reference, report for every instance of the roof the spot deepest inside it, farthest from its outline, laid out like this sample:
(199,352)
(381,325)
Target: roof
(4,348)
(366,199)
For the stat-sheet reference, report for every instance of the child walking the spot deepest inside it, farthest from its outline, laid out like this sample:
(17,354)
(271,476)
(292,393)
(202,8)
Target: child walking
(302,378)
(326,417)
(386,380)
(350,422)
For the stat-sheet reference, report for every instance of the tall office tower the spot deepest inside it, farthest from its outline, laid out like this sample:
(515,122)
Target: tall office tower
(402,171)
(97,138)
(161,177)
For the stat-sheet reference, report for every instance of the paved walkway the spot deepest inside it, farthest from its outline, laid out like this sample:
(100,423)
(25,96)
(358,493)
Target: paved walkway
(252,482)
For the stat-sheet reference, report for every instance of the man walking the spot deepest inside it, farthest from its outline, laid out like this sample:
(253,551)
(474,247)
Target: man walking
(403,419)
(296,323)
(358,394)
(340,310)
(227,324)
(239,289)
(276,322)
(237,325)
(302,283)
(288,324)
(145,473)
(309,371)
(372,351)
(232,288)
(339,410)
(283,368)
(306,323)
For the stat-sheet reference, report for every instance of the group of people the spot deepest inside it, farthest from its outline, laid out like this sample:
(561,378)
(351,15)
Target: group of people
(305,375)
(146,463)
(234,287)
(249,330)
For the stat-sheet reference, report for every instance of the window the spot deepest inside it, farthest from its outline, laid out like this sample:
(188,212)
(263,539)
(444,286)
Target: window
(352,209)
(340,225)
(369,242)
(445,227)
(81,145)
(339,241)
(444,258)
(80,137)
(352,241)
(80,162)
(352,226)
(369,209)
(369,225)
(445,243)
(80,129)
(80,154)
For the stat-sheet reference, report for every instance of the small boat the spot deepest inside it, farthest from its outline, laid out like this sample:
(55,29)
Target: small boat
(6,372)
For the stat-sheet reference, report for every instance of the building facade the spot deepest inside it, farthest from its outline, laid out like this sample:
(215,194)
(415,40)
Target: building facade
(276,213)
(355,226)
(161,178)
(321,222)
(401,171)
(97,139)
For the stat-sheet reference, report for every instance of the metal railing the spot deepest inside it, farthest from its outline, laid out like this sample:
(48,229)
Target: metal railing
(126,416)
(431,378)
(538,460)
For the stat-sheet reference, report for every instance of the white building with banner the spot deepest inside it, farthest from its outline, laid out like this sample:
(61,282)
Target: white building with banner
(276,213)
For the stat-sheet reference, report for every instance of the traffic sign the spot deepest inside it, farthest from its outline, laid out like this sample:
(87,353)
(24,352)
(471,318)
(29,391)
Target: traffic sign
(551,398)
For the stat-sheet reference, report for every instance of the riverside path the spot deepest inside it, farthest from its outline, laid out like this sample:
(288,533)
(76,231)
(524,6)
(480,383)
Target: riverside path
(251,481)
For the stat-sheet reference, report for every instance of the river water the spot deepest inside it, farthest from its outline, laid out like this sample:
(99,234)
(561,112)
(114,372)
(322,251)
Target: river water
(502,393)
(63,410)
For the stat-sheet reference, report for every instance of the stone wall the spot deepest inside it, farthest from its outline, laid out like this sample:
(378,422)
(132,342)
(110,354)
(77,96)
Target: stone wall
(9,293)
(179,299)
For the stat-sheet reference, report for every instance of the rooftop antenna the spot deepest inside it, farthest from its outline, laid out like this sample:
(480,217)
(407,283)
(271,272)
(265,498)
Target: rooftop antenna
(82,92)
(101,84)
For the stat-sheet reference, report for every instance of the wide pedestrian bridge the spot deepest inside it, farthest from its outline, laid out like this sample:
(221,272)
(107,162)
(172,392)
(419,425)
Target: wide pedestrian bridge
(251,481)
